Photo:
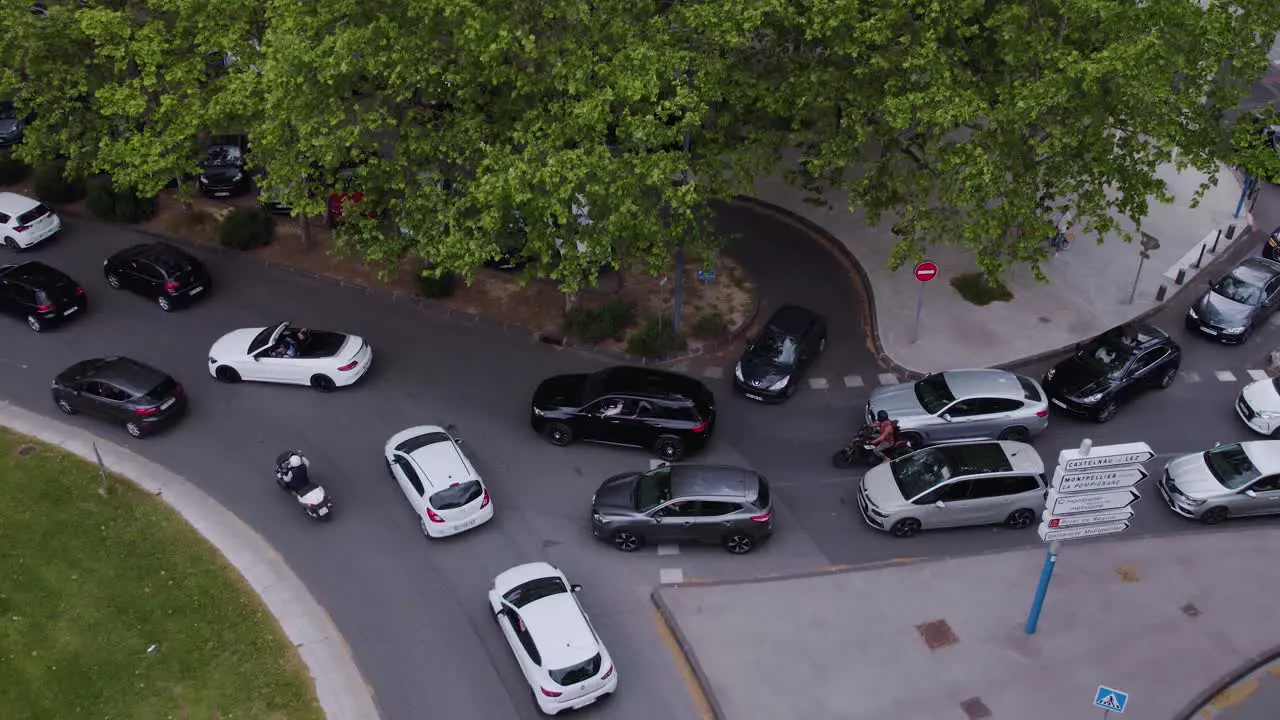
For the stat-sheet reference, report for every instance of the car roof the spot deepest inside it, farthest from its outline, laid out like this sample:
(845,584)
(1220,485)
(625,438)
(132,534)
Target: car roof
(15,204)
(994,456)
(521,574)
(440,464)
(1134,335)
(161,252)
(126,373)
(1265,454)
(35,274)
(640,381)
(560,630)
(1256,270)
(710,481)
(984,383)
(790,320)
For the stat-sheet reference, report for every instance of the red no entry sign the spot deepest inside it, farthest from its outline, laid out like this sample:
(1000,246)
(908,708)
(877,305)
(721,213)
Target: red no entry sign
(926,271)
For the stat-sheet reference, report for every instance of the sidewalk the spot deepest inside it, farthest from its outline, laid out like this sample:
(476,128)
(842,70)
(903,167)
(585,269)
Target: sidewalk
(1159,618)
(341,690)
(1088,291)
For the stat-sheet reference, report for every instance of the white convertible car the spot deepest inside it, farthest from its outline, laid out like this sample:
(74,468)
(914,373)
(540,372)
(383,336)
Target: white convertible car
(285,354)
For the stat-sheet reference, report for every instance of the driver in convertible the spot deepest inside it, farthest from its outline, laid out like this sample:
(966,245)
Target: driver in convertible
(291,343)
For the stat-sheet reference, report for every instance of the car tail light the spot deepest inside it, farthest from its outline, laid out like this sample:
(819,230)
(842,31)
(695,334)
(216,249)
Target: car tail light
(349,366)
(144,411)
(700,427)
(485,503)
(607,673)
(171,288)
(550,693)
(762,518)
(21,228)
(43,308)
(1043,413)
(433,517)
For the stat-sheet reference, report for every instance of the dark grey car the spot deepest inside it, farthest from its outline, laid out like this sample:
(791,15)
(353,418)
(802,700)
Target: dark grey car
(1238,302)
(718,504)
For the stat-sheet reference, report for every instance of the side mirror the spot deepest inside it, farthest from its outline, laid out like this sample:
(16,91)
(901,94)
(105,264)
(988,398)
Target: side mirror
(1250,493)
(457,441)
(940,505)
(576,588)
(657,519)
(946,417)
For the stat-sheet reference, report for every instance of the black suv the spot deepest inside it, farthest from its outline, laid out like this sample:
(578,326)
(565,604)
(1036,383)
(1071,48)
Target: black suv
(669,413)
(169,275)
(1113,368)
(715,504)
(40,294)
(222,172)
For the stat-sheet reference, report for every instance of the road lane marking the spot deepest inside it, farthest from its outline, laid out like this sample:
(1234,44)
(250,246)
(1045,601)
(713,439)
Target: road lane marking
(671,576)
(1190,376)
(1258,374)
(668,549)
(887,379)
(1224,375)
(818,383)
(696,693)
(853,381)
(713,373)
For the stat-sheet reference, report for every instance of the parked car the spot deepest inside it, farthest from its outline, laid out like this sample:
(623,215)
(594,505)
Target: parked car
(1271,248)
(1113,368)
(344,193)
(671,414)
(40,294)
(269,196)
(964,405)
(121,390)
(1259,406)
(774,362)
(165,273)
(282,353)
(714,504)
(439,481)
(25,222)
(559,653)
(12,123)
(1238,302)
(222,173)
(957,485)
(1227,481)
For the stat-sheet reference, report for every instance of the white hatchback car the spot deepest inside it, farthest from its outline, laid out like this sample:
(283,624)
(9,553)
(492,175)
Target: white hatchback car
(1259,406)
(558,650)
(25,222)
(439,481)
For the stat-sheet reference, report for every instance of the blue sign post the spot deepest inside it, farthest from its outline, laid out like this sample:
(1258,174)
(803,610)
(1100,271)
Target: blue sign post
(1046,574)
(1110,700)
(708,275)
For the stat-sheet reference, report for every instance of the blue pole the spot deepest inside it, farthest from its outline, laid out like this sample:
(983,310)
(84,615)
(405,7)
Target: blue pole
(1244,192)
(1046,574)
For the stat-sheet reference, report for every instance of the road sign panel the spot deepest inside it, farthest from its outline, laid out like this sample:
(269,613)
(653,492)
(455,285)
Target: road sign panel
(1110,699)
(926,271)
(1098,480)
(1049,534)
(1090,502)
(1094,518)
(1105,456)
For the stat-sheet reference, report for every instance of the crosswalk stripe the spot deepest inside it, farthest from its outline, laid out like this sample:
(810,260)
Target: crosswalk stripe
(887,379)
(1225,375)
(671,576)
(853,381)
(1190,376)
(1258,374)
(668,549)
(818,383)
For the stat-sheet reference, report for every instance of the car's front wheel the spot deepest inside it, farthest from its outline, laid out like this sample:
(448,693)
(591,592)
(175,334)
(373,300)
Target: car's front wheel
(1214,515)
(905,528)
(66,407)
(558,434)
(113,280)
(1106,411)
(226,374)
(627,541)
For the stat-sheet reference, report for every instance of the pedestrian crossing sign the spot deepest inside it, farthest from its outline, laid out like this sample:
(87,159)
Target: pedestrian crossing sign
(1110,699)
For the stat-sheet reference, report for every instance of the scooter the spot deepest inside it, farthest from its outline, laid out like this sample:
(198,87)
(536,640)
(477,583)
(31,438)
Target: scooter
(312,497)
(861,451)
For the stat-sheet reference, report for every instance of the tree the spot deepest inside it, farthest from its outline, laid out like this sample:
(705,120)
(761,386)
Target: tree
(1255,141)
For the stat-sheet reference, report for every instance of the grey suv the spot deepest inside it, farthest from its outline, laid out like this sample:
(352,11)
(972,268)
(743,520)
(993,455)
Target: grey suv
(960,405)
(719,504)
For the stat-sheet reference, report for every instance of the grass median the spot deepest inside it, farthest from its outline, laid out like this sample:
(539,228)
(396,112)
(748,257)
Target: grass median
(112,606)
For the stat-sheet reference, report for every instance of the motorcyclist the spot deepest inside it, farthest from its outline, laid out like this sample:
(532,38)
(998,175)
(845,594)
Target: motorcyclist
(885,438)
(293,471)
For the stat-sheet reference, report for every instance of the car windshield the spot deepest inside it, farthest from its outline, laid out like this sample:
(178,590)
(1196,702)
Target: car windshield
(8,111)
(652,489)
(1237,289)
(1104,357)
(525,593)
(933,394)
(1231,466)
(456,496)
(577,673)
(223,156)
(924,470)
(774,346)
(262,338)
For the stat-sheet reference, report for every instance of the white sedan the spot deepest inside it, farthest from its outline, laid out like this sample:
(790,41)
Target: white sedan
(285,354)
(558,650)
(1259,406)
(439,481)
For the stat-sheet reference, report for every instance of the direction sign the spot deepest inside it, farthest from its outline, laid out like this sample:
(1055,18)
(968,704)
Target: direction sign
(1070,521)
(1110,699)
(1059,504)
(1051,534)
(1097,480)
(926,271)
(1105,456)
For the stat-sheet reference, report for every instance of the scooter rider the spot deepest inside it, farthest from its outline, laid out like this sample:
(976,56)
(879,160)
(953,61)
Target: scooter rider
(886,436)
(294,473)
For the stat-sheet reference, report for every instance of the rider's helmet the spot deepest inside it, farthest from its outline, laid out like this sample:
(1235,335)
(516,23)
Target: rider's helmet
(294,461)
(882,416)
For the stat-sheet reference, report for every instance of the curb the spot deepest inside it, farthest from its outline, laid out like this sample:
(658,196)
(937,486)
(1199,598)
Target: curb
(340,689)
(1244,670)
(685,649)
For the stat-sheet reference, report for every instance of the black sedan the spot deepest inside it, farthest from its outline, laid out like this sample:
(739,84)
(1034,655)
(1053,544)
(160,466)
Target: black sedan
(40,294)
(120,390)
(1239,302)
(1112,369)
(163,272)
(774,363)
(222,174)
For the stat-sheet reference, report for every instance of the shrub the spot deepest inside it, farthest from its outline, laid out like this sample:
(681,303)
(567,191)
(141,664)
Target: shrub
(133,209)
(980,290)
(609,321)
(437,285)
(12,170)
(711,326)
(100,199)
(246,228)
(52,185)
(655,340)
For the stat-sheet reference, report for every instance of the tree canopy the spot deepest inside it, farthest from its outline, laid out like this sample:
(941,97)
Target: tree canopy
(579,132)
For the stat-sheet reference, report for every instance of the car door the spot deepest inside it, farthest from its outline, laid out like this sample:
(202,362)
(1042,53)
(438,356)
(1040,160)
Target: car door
(953,511)
(1265,499)
(602,420)
(522,644)
(984,418)
(959,421)
(675,522)
(279,369)
(992,498)
(1270,299)
(714,519)
(1143,372)
(410,483)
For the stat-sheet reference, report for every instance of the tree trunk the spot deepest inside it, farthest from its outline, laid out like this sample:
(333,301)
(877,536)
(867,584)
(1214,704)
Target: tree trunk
(304,223)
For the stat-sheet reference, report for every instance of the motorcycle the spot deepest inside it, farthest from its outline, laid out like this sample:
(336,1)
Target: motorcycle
(861,451)
(312,497)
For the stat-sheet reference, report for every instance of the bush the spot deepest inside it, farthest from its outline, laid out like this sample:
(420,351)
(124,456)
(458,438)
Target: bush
(609,321)
(133,209)
(655,340)
(100,199)
(12,170)
(246,228)
(108,203)
(437,286)
(53,186)
(711,326)
(980,290)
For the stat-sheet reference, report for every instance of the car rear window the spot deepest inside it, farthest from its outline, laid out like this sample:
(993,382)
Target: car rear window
(1029,389)
(761,499)
(577,673)
(161,392)
(456,496)
(33,214)
(418,442)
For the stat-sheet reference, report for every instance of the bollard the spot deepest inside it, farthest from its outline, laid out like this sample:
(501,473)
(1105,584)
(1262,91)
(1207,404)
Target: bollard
(1231,231)
(1160,293)
(1216,238)
(1182,276)
(1199,260)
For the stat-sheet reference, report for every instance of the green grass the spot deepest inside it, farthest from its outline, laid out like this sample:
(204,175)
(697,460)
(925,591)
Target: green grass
(89,582)
(980,290)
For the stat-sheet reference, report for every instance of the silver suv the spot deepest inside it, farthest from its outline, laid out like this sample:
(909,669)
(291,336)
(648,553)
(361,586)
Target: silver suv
(961,405)
(985,483)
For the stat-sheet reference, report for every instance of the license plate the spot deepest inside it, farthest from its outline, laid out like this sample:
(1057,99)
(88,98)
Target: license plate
(1207,331)
(196,291)
(168,403)
(222,194)
(1059,403)
(322,511)
(467,524)
(754,397)
(68,312)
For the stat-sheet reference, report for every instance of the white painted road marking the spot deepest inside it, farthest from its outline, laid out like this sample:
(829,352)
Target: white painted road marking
(714,373)
(818,383)
(1190,376)
(1225,375)
(888,379)
(671,576)
(853,381)
(668,549)
(1258,374)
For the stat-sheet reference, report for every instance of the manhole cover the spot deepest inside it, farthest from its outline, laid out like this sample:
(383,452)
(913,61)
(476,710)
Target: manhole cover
(937,634)
(1190,610)
(975,709)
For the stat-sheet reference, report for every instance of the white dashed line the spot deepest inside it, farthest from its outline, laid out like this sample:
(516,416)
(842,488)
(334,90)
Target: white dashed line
(668,549)
(1225,375)
(818,383)
(1258,374)
(887,379)
(1190,376)
(671,576)
(853,381)
(713,373)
